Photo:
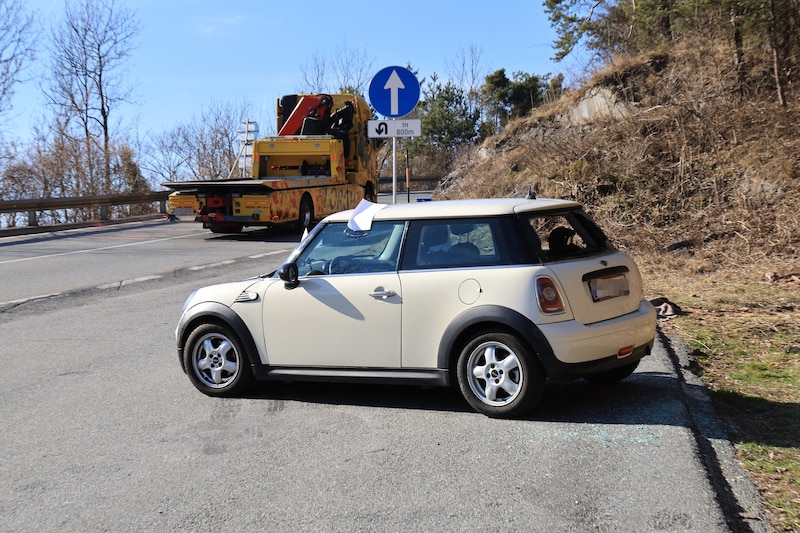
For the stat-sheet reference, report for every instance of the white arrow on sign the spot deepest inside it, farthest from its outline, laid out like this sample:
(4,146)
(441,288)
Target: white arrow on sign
(394,84)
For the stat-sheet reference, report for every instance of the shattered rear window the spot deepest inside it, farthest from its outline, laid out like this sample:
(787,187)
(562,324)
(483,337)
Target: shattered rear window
(564,235)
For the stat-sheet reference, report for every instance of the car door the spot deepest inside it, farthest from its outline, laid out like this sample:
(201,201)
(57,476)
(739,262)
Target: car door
(449,266)
(346,309)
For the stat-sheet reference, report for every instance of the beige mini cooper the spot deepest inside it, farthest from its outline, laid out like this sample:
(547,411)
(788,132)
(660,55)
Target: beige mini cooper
(494,296)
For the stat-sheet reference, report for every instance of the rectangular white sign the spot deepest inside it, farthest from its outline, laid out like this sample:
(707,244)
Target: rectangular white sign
(409,127)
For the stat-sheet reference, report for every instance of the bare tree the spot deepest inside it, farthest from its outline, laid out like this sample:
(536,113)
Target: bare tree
(738,46)
(202,148)
(16,47)
(167,157)
(776,28)
(313,75)
(33,172)
(466,72)
(89,48)
(352,72)
(18,181)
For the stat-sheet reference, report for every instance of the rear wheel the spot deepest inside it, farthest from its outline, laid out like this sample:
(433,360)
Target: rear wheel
(214,361)
(369,193)
(498,377)
(306,213)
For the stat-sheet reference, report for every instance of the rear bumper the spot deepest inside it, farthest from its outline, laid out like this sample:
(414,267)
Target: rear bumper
(566,372)
(220,219)
(582,349)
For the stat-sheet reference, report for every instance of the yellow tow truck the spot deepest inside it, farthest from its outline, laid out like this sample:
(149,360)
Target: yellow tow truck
(320,162)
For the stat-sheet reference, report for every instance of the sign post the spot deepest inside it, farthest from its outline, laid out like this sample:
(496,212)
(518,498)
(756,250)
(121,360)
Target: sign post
(394,92)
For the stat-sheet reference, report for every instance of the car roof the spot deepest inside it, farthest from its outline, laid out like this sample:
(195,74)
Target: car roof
(461,208)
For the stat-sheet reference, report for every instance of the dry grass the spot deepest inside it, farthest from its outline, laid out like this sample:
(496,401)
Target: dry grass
(744,331)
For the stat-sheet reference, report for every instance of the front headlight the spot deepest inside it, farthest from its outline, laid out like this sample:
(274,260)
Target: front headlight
(188,300)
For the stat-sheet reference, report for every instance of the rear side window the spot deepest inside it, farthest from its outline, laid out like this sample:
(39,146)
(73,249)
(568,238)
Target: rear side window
(454,243)
(558,236)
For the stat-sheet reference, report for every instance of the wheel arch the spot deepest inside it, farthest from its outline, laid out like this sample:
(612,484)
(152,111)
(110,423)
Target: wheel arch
(307,196)
(491,317)
(216,313)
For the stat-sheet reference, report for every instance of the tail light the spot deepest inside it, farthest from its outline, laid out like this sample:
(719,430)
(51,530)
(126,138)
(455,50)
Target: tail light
(215,201)
(549,298)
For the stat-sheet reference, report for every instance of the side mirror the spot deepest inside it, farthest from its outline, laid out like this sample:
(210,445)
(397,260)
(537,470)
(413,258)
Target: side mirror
(288,273)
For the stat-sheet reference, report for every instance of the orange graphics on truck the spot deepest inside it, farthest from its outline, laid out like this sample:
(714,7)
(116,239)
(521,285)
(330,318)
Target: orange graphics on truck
(320,162)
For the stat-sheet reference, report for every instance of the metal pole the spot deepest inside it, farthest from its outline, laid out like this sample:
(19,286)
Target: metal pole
(408,179)
(394,170)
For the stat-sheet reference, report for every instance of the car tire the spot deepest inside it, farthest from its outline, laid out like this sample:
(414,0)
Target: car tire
(215,362)
(498,376)
(613,375)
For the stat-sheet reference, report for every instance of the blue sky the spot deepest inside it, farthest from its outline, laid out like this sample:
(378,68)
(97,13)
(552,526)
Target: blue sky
(192,53)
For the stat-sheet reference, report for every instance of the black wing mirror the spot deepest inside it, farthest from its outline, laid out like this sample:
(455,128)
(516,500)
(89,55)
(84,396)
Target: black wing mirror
(288,273)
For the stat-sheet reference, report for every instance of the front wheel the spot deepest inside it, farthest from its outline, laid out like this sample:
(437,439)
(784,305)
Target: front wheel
(498,377)
(215,362)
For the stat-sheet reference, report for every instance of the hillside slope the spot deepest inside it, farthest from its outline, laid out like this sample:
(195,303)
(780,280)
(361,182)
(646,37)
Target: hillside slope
(665,151)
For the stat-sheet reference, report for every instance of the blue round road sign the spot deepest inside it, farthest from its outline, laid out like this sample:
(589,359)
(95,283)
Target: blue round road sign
(394,92)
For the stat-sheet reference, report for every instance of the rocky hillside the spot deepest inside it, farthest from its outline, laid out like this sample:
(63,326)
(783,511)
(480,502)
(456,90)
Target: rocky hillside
(667,151)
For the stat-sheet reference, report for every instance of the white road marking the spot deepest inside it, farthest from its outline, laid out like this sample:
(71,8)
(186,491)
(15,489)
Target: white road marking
(266,254)
(212,265)
(119,284)
(32,298)
(73,252)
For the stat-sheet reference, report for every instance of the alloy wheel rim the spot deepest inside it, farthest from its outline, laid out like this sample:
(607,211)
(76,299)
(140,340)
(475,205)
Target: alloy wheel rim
(495,374)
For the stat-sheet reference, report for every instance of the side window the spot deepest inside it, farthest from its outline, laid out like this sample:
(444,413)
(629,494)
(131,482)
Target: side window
(338,250)
(449,243)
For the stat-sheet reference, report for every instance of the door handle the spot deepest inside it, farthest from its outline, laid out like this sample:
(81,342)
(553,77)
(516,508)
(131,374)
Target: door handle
(381,294)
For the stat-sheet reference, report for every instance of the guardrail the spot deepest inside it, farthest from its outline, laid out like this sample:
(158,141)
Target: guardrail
(417,183)
(34,206)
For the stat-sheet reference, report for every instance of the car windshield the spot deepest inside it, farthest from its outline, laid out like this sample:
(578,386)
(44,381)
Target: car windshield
(335,249)
(567,235)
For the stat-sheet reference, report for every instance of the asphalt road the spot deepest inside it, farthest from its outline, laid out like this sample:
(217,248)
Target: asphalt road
(102,431)
(49,264)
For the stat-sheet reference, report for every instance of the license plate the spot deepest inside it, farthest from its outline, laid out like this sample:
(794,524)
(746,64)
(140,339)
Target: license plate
(610,287)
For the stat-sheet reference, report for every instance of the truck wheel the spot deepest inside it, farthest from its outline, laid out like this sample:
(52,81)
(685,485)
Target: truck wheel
(306,213)
(369,192)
